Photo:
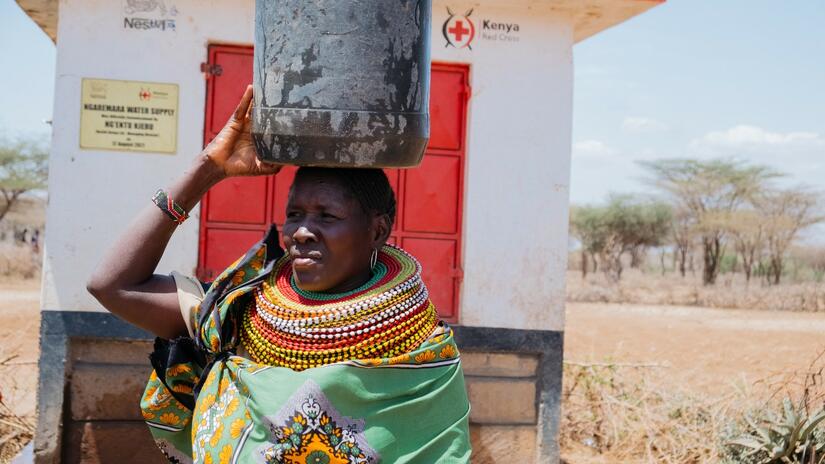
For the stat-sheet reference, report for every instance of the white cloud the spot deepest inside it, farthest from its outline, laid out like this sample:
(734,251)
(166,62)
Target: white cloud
(592,149)
(639,124)
(752,137)
(760,144)
(799,154)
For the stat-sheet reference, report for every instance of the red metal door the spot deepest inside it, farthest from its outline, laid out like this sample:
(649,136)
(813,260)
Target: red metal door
(236,212)
(430,198)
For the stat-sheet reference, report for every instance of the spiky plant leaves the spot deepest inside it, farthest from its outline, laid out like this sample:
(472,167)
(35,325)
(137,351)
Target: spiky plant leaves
(811,424)
(787,437)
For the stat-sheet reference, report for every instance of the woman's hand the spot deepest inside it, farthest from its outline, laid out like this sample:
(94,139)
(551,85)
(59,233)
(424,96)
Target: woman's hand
(232,151)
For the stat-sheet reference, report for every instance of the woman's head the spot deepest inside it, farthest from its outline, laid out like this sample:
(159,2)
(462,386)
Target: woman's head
(335,218)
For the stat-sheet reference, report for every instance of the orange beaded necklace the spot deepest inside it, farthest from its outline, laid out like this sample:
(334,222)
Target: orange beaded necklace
(389,315)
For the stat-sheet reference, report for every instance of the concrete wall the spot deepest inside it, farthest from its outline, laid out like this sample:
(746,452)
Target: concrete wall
(94,194)
(103,421)
(518,163)
(518,157)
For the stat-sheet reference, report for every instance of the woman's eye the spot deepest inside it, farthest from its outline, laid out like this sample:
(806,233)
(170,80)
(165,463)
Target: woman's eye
(329,217)
(292,214)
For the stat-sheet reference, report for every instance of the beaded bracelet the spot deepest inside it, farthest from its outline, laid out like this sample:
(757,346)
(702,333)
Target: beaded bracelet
(169,207)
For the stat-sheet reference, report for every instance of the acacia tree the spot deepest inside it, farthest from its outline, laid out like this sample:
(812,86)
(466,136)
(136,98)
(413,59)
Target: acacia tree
(640,223)
(706,190)
(747,230)
(23,167)
(587,225)
(625,225)
(682,232)
(786,212)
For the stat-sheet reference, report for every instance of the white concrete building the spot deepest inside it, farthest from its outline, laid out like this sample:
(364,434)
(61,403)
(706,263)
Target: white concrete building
(503,266)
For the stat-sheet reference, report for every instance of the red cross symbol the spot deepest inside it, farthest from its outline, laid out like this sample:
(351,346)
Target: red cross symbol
(145,95)
(458,31)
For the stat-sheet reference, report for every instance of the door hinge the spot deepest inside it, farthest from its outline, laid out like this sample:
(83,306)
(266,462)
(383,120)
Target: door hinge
(211,69)
(458,274)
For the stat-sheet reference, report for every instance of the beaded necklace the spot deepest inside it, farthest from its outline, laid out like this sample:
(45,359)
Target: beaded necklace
(389,315)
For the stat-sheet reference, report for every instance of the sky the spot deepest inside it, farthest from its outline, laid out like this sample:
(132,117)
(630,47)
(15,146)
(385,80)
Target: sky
(742,79)
(27,58)
(690,78)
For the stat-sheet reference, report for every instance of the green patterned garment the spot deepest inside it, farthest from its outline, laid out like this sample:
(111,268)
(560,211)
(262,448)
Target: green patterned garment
(205,404)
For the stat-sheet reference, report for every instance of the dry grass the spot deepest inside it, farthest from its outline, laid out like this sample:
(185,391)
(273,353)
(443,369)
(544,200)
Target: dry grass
(614,413)
(731,291)
(18,261)
(19,326)
(15,431)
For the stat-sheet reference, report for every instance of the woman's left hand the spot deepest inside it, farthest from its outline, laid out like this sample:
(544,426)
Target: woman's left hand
(232,151)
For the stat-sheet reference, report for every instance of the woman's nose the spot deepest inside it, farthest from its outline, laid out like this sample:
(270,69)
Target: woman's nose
(303,234)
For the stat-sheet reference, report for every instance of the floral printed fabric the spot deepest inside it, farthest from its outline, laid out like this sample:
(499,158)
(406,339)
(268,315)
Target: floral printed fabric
(410,408)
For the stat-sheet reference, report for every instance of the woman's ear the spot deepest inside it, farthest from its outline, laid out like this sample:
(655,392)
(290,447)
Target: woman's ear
(381,230)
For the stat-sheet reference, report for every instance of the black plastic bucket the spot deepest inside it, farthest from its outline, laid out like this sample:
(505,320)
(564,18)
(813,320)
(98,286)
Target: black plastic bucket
(342,82)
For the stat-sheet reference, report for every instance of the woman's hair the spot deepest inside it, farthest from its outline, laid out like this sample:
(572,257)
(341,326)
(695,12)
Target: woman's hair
(369,186)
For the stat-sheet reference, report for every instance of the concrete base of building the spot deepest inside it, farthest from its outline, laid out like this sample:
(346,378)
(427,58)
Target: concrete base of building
(93,368)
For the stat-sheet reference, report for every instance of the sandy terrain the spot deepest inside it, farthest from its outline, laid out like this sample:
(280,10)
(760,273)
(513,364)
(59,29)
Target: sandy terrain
(735,357)
(701,348)
(19,329)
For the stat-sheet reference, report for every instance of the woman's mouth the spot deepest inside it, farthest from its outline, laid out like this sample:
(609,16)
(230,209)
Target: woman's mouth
(306,259)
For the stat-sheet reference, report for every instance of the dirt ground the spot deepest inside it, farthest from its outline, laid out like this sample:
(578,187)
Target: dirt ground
(19,332)
(19,329)
(713,350)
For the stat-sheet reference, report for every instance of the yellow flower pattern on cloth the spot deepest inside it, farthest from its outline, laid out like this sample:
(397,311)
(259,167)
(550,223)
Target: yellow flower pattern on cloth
(403,358)
(424,357)
(178,369)
(219,419)
(238,278)
(170,418)
(159,406)
(448,352)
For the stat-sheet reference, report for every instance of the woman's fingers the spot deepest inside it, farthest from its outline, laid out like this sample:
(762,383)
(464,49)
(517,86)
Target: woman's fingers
(229,135)
(248,115)
(268,168)
(242,111)
(234,146)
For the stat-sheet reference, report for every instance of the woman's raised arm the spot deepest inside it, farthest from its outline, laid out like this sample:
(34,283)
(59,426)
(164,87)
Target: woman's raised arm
(124,282)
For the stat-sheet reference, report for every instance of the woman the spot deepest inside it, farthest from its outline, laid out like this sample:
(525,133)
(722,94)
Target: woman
(328,352)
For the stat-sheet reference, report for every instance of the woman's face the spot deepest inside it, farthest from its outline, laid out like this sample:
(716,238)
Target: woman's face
(328,235)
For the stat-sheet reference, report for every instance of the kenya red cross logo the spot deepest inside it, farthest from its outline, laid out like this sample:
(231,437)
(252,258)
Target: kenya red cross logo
(145,94)
(459,30)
